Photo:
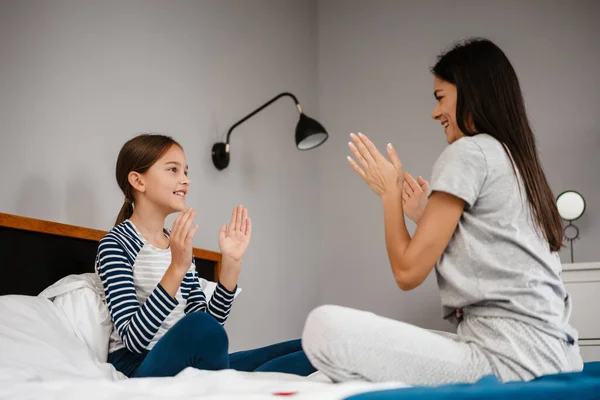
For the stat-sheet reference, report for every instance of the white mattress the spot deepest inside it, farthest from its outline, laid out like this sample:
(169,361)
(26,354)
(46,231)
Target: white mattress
(192,384)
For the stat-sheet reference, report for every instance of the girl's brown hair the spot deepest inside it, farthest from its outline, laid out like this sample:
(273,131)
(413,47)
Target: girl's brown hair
(138,155)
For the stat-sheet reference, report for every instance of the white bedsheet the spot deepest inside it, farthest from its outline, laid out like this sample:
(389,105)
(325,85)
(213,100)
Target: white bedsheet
(191,384)
(42,358)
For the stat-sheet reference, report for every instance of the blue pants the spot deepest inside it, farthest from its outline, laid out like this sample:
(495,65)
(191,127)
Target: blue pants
(199,341)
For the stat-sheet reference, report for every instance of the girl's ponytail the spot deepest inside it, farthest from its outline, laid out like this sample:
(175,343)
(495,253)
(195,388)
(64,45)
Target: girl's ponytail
(126,211)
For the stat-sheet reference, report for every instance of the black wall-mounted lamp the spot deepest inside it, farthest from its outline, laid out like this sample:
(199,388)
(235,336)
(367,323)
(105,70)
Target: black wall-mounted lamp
(309,133)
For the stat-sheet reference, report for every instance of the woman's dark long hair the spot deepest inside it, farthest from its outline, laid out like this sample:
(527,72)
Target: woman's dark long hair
(489,96)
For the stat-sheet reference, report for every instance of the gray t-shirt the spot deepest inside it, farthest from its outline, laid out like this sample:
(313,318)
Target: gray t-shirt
(497,263)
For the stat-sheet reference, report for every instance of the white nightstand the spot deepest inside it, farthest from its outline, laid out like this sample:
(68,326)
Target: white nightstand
(582,281)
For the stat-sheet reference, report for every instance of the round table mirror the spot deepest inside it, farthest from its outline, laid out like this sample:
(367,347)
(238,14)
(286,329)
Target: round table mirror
(571,205)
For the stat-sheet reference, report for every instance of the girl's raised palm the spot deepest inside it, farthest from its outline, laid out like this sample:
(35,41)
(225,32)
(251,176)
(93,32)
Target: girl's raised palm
(234,239)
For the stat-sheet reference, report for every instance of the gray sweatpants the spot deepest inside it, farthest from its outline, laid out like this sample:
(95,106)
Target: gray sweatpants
(347,344)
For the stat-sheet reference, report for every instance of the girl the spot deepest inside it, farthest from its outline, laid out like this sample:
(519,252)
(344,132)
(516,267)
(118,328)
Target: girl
(491,229)
(162,321)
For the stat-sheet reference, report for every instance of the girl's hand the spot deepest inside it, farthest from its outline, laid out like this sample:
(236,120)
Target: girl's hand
(181,240)
(414,197)
(234,240)
(383,177)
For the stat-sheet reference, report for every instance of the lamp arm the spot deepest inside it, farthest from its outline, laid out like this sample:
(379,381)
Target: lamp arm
(259,109)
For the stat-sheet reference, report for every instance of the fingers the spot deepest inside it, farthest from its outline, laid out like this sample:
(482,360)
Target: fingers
(178,232)
(358,156)
(393,156)
(190,236)
(424,184)
(373,152)
(249,228)
(426,188)
(407,189)
(232,220)
(186,223)
(176,224)
(244,220)
(407,177)
(355,167)
(238,217)
(223,232)
(362,148)
(405,196)
(238,223)
(411,181)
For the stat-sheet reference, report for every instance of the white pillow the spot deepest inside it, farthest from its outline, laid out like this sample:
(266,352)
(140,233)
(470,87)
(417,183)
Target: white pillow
(38,343)
(208,287)
(80,297)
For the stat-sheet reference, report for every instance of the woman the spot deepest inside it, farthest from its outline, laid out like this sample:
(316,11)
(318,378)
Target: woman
(490,228)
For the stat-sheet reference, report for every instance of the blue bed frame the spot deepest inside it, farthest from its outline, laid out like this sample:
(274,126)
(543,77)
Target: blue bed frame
(583,385)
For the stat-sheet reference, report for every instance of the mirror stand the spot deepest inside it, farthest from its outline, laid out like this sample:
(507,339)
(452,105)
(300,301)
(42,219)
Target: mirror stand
(571,234)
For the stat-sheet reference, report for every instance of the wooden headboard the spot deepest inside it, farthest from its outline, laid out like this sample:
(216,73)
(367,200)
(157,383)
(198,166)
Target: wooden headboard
(35,253)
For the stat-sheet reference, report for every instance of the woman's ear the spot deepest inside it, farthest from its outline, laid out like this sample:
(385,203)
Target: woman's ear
(136,180)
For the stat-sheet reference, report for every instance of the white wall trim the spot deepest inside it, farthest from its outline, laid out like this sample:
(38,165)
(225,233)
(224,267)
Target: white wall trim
(581,266)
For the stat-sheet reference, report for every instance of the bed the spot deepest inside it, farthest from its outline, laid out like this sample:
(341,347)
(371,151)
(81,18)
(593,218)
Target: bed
(46,352)
(583,385)
(54,327)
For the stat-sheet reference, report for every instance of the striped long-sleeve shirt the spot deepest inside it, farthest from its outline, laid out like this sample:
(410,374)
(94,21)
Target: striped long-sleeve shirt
(141,310)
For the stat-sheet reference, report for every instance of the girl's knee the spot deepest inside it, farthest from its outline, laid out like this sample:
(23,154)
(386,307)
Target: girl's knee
(201,329)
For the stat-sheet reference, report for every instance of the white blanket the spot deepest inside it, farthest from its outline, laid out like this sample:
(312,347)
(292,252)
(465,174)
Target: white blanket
(192,384)
(42,357)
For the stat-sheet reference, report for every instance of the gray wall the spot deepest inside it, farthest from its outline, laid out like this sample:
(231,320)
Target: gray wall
(78,78)
(373,77)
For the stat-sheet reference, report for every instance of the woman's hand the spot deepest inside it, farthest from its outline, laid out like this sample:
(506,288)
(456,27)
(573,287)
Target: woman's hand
(414,197)
(383,177)
(234,240)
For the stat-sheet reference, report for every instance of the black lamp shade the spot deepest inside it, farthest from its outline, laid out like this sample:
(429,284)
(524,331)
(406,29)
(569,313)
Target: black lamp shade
(309,133)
